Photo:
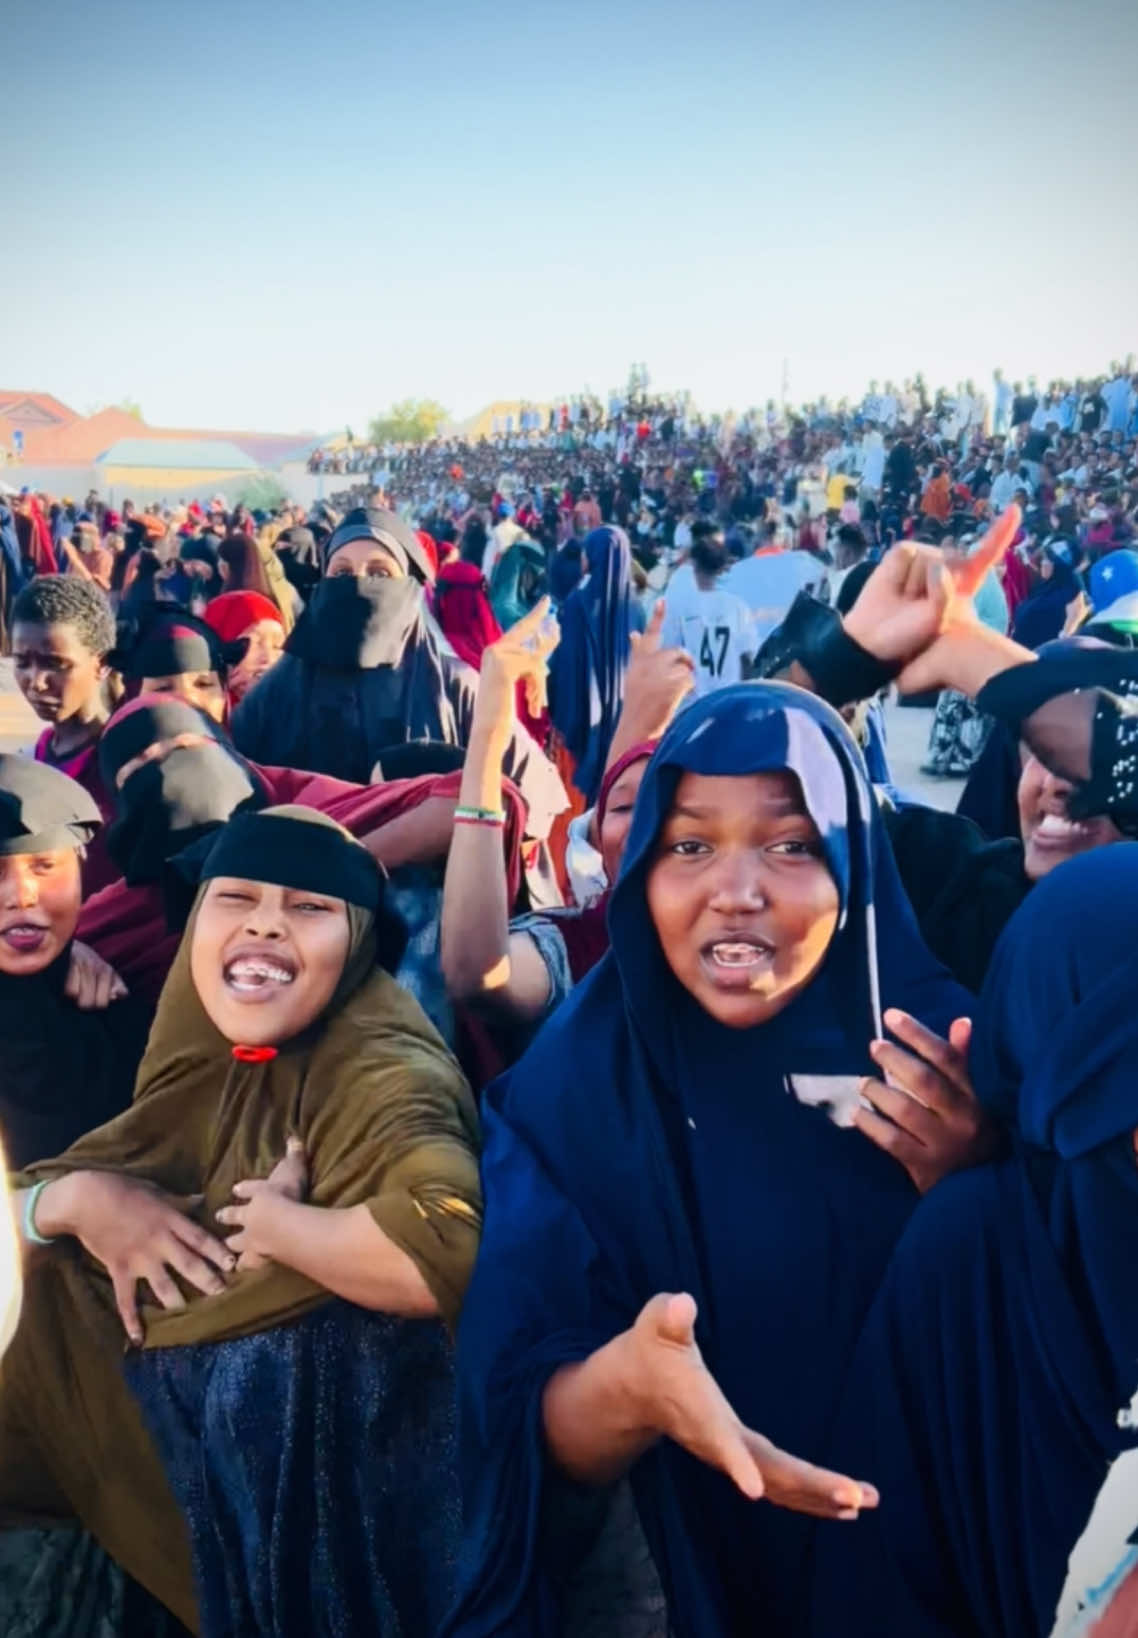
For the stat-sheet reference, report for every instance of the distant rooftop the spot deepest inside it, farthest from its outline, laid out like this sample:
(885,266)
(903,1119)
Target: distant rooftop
(54,435)
(191,454)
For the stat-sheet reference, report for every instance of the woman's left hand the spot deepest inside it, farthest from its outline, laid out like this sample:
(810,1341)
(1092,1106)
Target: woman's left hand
(928,1119)
(258,1200)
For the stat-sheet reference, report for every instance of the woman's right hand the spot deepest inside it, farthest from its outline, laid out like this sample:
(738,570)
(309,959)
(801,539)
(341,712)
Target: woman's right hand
(137,1233)
(678,1397)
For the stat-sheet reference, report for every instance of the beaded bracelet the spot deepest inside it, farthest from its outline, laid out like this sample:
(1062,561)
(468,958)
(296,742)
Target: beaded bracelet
(493,817)
(31,1201)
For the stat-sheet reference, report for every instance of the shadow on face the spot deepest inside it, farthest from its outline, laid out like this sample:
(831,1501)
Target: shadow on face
(55,672)
(202,689)
(266,645)
(40,895)
(1049,836)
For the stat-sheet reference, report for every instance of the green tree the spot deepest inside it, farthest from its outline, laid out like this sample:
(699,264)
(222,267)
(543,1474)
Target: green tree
(411,421)
(128,405)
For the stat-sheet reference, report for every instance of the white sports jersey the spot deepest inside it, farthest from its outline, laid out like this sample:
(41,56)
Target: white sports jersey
(715,627)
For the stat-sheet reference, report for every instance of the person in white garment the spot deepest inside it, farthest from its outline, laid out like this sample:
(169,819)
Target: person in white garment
(1118,395)
(712,625)
(770,579)
(872,461)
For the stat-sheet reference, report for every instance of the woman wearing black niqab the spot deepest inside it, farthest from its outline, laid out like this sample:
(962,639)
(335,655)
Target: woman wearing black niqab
(366,668)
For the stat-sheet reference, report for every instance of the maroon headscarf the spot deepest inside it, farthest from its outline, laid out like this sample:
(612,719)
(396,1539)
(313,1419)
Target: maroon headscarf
(586,934)
(462,606)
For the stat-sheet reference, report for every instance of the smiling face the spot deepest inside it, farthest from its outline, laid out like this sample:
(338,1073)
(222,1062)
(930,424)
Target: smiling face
(200,688)
(1049,836)
(367,560)
(265,960)
(58,676)
(40,894)
(740,895)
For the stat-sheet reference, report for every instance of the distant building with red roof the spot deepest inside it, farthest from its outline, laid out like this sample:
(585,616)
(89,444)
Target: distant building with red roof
(38,430)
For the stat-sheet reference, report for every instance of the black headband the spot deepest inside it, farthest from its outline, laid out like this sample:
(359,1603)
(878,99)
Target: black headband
(309,856)
(41,809)
(144,722)
(170,646)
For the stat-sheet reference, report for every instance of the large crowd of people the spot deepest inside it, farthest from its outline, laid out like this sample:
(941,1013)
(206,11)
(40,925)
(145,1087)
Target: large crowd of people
(519,1127)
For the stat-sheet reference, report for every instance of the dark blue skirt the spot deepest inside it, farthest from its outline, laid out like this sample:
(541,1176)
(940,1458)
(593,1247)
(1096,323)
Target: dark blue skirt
(316,1466)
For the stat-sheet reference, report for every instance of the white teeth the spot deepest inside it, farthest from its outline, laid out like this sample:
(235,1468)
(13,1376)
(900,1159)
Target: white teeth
(738,955)
(1052,824)
(248,973)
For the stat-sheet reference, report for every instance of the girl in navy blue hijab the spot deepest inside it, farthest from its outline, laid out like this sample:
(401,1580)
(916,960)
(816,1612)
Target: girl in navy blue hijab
(1004,1343)
(1042,615)
(681,1125)
(586,673)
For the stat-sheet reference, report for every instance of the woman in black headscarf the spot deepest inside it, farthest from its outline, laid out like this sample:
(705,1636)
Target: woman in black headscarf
(300,559)
(62,1070)
(164,650)
(366,668)
(472,548)
(197,577)
(1041,616)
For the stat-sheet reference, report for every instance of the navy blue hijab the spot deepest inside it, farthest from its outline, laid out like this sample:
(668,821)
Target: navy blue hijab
(639,1147)
(10,547)
(586,673)
(1041,616)
(985,1395)
(565,570)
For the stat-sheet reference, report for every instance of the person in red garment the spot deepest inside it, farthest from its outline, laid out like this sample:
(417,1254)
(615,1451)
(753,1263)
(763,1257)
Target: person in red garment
(176,777)
(249,617)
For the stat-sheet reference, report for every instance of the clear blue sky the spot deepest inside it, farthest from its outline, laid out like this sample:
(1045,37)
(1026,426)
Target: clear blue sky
(268,214)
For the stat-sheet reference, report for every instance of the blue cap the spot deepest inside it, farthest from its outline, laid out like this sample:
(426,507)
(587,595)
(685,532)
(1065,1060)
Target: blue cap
(1114,588)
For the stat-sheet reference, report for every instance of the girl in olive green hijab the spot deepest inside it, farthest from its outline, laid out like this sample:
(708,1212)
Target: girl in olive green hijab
(296,1183)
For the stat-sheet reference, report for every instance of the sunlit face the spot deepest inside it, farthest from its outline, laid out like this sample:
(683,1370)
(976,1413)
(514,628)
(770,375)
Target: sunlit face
(265,960)
(1049,836)
(200,688)
(57,675)
(740,895)
(367,560)
(40,894)
(617,819)
(266,644)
